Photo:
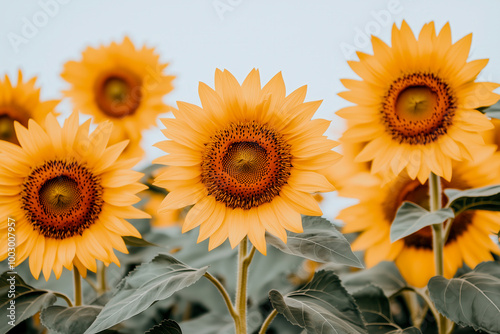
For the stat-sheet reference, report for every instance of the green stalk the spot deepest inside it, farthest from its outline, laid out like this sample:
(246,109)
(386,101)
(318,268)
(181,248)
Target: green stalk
(437,237)
(241,288)
(77,284)
(63,296)
(244,260)
(101,278)
(225,296)
(268,321)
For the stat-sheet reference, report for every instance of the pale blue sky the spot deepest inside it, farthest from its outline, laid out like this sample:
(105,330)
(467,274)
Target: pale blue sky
(309,41)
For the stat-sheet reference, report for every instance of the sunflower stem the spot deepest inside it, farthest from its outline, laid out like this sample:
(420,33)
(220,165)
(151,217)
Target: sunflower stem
(101,278)
(268,321)
(224,294)
(77,284)
(92,284)
(447,229)
(63,296)
(241,288)
(424,293)
(437,238)
(412,303)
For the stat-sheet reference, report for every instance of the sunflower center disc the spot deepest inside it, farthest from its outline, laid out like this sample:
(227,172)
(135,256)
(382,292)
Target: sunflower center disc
(61,199)
(419,194)
(246,165)
(60,194)
(418,108)
(118,94)
(116,90)
(416,103)
(246,162)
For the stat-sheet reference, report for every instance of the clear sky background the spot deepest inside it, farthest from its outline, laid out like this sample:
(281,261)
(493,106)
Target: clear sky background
(309,41)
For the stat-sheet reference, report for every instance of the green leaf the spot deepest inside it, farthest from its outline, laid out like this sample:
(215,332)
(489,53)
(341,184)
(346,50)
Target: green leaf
(385,275)
(409,330)
(491,111)
(27,301)
(209,323)
(322,306)
(374,306)
(73,320)
(165,327)
(410,218)
(472,299)
(320,242)
(138,242)
(148,283)
(485,198)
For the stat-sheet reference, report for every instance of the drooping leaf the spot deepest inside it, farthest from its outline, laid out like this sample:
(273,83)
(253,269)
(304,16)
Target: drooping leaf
(73,320)
(485,198)
(385,275)
(148,283)
(322,306)
(374,306)
(26,302)
(320,242)
(472,299)
(411,217)
(138,242)
(165,327)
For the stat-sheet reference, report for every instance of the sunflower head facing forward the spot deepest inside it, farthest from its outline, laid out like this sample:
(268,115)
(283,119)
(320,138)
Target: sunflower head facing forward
(69,193)
(469,240)
(248,160)
(121,84)
(416,103)
(19,103)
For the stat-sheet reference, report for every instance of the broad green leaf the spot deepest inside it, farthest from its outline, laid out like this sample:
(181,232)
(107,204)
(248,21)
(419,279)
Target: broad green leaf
(410,218)
(73,320)
(385,275)
(374,306)
(217,323)
(148,283)
(472,299)
(165,327)
(322,306)
(138,242)
(320,242)
(271,272)
(210,323)
(27,301)
(485,198)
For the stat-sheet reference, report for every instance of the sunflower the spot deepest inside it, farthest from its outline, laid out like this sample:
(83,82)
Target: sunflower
(469,238)
(121,84)
(349,173)
(20,103)
(248,160)
(415,107)
(165,218)
(69,194)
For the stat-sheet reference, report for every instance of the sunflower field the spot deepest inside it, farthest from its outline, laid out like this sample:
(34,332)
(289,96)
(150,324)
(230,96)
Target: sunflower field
(263,210)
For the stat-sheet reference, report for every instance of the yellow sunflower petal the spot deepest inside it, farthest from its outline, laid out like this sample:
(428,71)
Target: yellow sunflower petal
(413,96)
(248,160)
